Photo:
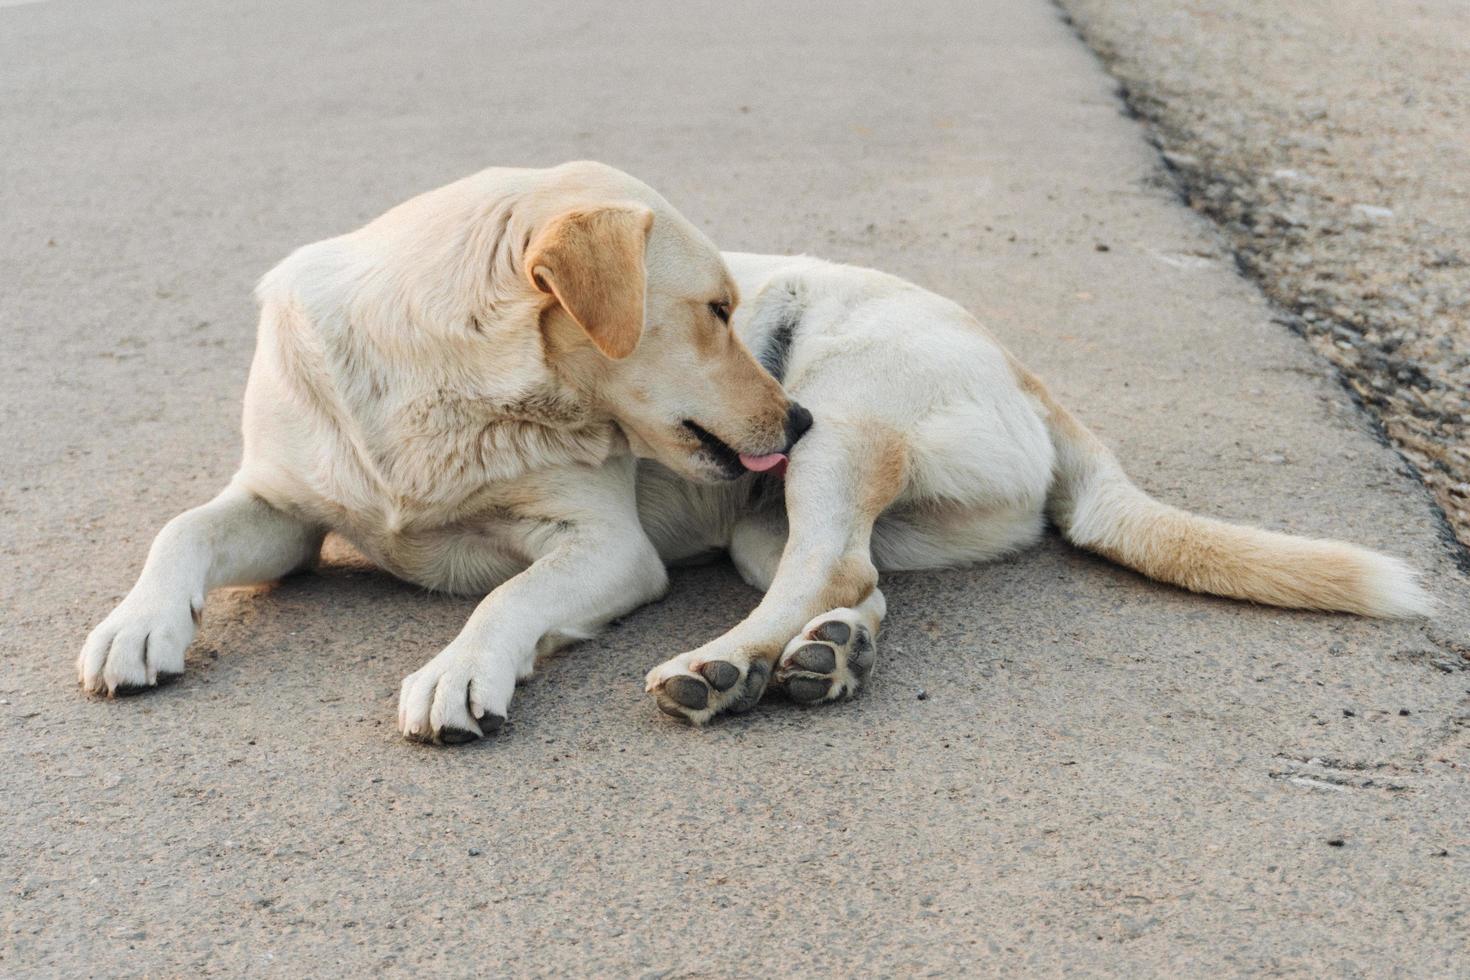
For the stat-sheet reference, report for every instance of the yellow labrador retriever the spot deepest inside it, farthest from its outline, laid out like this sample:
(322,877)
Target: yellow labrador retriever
(461,389)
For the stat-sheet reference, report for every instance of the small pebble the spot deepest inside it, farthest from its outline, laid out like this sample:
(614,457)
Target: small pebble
(1349,713)
(474,852)
(1336,842)
(1404,712)
(923,695)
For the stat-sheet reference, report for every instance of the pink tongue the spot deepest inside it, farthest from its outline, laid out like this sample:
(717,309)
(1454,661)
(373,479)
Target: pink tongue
(762,464)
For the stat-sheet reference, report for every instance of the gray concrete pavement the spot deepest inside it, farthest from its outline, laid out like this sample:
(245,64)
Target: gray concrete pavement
(1104,775)
(1328,139)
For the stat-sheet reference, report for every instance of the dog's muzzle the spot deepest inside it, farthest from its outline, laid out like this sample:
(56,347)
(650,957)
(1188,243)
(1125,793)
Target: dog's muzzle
(798,421)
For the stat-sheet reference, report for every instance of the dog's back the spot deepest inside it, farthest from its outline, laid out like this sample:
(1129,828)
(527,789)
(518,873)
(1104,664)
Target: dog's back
(989,452)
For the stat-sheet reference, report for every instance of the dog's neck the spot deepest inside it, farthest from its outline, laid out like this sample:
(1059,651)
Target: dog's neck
(437,394)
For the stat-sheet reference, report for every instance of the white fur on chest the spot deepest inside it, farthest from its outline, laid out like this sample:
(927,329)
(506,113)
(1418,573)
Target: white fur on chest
(401,429)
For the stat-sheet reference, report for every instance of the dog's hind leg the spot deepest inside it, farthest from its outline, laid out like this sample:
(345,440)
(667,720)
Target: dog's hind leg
(235,539)
(843,474)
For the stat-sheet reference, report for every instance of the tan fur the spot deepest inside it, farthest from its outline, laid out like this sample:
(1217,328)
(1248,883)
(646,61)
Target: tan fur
(432,401)
(592,263)
(1099,508)
(716,341)
(851,580)
(461,386)
(887,454)
(934,448)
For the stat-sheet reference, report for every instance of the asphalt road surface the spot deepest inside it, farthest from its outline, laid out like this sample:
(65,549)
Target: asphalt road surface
(1330,140)
(1058,767)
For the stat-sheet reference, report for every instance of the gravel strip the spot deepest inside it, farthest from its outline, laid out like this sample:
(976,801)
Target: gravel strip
(1330,140)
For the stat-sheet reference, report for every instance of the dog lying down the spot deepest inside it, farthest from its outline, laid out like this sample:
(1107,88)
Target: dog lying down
(462,389)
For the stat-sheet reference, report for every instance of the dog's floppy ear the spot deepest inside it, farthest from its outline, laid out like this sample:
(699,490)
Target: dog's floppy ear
(591,260)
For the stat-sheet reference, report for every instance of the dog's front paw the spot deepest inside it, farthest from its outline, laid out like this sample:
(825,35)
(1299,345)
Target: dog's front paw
(452,699)
(698,685)
(139,645)
(829,660)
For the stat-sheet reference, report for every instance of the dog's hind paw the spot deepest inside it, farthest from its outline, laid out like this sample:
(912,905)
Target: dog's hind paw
(697,686)
(829,660)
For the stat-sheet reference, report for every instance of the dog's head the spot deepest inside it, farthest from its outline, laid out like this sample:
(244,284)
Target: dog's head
(636,307)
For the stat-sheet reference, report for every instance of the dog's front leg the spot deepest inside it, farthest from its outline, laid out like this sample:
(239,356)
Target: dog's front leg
(235,539)
(823,589)
(583,578)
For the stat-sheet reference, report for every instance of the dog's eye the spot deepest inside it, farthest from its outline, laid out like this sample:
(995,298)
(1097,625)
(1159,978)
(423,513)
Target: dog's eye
(721,310)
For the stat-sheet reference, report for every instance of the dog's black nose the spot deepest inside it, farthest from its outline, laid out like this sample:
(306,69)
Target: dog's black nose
(798,420)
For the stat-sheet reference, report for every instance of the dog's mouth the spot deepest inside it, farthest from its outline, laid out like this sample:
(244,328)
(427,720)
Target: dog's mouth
(730,463)
(716,450)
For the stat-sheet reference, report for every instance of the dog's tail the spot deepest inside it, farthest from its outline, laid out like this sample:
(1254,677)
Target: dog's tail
(1098,508)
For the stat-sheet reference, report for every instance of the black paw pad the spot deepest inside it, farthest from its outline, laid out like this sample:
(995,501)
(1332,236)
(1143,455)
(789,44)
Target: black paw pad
(756,676)
(721,675)
(490,722)
(807,690)
(687,691)
(129,690)
(456,736)
(816,657)
(863,653)
(833,631)
(671,710)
